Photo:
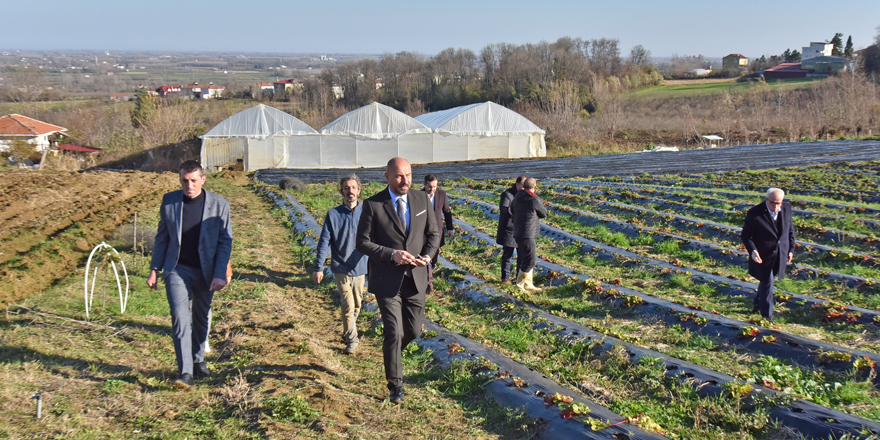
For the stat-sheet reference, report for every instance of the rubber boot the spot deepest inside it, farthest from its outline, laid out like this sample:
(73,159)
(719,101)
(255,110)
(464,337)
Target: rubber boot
(529,284)
(521,282)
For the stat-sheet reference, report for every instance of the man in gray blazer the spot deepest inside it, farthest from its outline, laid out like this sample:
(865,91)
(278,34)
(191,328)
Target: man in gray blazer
(192,249)
(398,232)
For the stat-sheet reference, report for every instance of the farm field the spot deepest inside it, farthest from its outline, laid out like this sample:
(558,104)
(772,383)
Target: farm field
(643,328)
(688,88)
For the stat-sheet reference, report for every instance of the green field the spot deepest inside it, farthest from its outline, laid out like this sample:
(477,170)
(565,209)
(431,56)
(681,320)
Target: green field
(714,88)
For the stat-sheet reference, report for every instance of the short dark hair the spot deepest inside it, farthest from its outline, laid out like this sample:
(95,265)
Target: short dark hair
(521,179)
(192,165)
(430,178)
(347,178)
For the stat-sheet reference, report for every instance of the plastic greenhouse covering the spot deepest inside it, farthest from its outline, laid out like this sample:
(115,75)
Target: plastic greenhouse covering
(369,136)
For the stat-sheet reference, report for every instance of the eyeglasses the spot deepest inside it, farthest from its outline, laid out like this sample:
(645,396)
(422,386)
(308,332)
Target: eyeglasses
(774,203)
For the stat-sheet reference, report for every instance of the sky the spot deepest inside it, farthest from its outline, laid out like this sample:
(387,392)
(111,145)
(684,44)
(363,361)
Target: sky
(710,28)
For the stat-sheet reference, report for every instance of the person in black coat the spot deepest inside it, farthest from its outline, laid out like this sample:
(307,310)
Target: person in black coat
(527,210)
(504,236)
(768,235)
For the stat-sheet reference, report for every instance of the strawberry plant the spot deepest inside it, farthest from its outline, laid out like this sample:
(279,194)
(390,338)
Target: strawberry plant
(748,332)
(833,356)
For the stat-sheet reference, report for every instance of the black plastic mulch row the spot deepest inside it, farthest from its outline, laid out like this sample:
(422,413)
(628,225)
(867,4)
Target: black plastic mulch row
(810,419)
(676,195)
(794,201)
(528,398)
(828,234)
(744,157)
(724,231)
(796,188)
(724,284)
(796,349)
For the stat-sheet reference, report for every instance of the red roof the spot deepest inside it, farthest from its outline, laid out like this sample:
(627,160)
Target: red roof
(167,89)
(286,81)
(80,148)
(18,125)
(740,56)
(787,67)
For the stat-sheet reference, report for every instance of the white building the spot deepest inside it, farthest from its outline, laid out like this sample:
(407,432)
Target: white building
(18,127)
(816,49)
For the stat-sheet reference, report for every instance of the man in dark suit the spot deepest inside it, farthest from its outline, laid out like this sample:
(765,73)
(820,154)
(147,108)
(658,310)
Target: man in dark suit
(192,249)
(398,232)
(440,202)
(768,235)
(527,209)
(504,236)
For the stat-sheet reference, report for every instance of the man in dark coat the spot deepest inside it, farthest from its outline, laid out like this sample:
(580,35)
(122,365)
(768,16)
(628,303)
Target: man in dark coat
(768,235)
(527,210)
(440,203)
(504,236)
(399,234)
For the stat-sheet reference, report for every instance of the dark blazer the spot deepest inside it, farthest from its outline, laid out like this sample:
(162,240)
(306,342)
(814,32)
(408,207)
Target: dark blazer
(379,233)
(504,236)
(527,209)
(215,235)
(773,245)
(441,211)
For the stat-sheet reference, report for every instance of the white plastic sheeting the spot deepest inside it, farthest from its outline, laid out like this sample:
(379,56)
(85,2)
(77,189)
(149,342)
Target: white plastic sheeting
(370,135)
(484,130)
(231,139)
(481,119)
(259,121)
(374,121)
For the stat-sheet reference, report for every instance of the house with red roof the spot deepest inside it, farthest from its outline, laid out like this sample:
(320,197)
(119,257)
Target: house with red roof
(287,86)
(18,127)
(164,91)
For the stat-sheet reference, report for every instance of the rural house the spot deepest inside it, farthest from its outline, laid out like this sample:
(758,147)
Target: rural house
(164,91)
(816,49)
(18,127)
(734,61)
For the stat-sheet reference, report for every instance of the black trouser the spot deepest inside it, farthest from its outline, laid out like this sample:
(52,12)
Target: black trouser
(506,256)
(765,299)
(402,316)
(525,253)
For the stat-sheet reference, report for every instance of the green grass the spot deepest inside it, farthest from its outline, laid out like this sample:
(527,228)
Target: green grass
(689,90)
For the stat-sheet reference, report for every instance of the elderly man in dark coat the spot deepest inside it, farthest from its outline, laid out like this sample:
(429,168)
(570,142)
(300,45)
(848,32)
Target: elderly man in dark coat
(504,236)
(527,209)
(768,235)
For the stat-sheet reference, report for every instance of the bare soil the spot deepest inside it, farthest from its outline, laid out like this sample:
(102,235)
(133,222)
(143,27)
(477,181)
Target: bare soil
(50,221)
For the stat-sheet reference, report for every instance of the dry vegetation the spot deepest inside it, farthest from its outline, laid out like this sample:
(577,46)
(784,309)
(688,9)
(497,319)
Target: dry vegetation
(279,370)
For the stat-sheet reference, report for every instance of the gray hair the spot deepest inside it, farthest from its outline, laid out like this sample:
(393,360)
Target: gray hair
(773,190)
(347,178)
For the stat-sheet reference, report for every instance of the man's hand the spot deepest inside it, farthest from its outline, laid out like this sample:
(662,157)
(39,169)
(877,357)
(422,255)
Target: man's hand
(218,284)
(401,256)
(757,258)
(153,280)
(790,257)
(422,261)
(317,277)
(449,233)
